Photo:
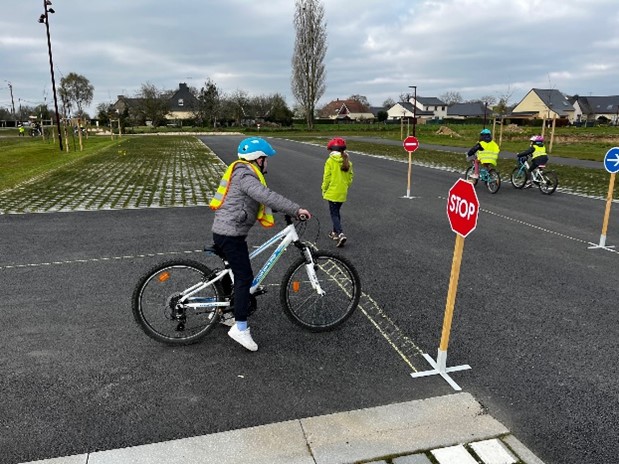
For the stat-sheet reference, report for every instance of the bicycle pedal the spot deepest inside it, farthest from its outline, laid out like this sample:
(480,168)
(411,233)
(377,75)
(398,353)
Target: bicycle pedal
(261,290)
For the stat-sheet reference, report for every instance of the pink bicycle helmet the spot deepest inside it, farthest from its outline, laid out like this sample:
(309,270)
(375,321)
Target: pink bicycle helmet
(537,139)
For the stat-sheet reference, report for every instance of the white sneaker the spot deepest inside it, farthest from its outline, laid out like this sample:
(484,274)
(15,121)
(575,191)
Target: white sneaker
(341,239)
(243,337)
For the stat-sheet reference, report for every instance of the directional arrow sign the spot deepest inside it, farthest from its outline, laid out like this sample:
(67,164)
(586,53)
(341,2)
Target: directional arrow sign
(411,143)
(611,160)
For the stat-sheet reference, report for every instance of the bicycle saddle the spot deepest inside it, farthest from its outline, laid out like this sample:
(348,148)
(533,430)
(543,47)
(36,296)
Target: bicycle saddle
(213,249)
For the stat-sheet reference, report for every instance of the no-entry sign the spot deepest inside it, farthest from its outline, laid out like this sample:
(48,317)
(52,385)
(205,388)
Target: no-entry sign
(411,143)
(462,207)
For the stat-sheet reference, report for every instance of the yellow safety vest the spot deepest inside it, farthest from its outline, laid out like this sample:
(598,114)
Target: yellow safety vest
(538,151)
(489,152)
(264,216)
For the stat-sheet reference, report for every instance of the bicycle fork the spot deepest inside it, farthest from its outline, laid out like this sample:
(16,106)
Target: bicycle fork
(311,271)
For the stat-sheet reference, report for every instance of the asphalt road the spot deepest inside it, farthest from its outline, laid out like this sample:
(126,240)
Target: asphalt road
(535,317)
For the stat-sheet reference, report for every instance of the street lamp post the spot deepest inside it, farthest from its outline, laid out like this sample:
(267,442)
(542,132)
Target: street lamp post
(12,101)
(44,18)
(414,87)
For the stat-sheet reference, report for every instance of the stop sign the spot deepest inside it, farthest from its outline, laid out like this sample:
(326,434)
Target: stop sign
(462,207)
(411,143)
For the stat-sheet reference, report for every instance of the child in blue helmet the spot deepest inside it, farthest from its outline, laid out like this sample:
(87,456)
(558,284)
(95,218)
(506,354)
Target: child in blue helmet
(486,152)
(243,198)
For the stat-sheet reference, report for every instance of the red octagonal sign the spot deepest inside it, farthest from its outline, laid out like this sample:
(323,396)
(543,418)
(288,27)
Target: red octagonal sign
(462,207)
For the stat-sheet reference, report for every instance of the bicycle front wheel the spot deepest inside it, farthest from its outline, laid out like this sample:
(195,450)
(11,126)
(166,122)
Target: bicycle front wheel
(548,183)
(303,304)
(162,316)
(494,181)
(519,177)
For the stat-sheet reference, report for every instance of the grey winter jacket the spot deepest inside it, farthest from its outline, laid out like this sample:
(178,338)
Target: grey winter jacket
(245,194)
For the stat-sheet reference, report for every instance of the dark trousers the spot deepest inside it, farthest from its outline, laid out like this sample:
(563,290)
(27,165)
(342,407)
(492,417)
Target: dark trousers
(237,254)
(334,210)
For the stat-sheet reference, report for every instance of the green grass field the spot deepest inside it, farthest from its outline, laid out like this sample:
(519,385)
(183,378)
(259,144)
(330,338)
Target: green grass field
(23,159)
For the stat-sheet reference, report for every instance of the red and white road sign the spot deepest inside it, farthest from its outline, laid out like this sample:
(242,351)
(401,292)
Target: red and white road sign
(462,207)
(411,143)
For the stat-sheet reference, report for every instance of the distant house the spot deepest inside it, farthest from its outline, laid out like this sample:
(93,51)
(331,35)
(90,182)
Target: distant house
(346,110)
(595,109)
(433,105)
(182,104)
(468,110)
(426,108)
(544,104)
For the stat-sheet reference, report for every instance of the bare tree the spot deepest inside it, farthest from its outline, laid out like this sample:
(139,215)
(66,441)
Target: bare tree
(451,97)
(310,48)
(361,99)
(388,103)
(152,104)
(489,100)
(75,89)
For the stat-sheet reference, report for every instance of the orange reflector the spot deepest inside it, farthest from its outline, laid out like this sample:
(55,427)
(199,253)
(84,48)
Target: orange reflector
(164,276)
(295,286)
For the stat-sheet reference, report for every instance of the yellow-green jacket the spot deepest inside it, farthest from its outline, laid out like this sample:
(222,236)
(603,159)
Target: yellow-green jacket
(335,182)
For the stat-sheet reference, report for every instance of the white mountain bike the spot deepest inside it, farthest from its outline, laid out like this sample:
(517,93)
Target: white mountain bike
(179,301)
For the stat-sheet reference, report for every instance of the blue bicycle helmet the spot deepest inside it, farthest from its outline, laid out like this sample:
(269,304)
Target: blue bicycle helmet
(252,148)
(485,135)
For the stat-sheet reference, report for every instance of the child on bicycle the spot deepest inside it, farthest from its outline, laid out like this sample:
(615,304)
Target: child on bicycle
(537,152)
(243,198)
(486,151)
(337,176)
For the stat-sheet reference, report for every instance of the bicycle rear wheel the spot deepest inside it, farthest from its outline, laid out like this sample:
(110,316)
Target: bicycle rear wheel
(519,177)
(156,307)
(319,313)
(548,183)
(494,181)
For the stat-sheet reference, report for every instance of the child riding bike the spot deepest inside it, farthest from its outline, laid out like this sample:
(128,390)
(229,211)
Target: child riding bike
(537,152)
(486,152)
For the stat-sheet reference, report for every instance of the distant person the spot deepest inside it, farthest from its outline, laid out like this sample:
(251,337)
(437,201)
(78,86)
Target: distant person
(22,130)
(241,200)
(486,152)
(537,152)
(337,176)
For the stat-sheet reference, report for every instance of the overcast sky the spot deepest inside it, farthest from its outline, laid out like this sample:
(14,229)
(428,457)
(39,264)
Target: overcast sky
(376,48)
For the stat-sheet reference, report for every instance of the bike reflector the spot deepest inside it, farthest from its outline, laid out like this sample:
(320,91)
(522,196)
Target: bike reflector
(295,286)
(164,276)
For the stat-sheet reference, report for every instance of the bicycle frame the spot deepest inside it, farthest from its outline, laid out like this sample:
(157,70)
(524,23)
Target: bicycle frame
(287,236)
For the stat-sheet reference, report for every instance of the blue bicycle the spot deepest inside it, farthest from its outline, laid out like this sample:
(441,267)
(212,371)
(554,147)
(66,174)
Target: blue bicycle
(487,174)
(547,181)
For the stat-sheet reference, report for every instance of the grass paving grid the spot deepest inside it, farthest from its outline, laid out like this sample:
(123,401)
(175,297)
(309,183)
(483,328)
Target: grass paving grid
(140,172)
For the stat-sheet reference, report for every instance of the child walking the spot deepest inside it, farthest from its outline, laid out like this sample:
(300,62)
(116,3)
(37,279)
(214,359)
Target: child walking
(337,177)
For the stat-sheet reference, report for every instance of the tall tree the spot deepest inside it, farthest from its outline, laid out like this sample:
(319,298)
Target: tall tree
(76,90)
(209,103)
(310,48)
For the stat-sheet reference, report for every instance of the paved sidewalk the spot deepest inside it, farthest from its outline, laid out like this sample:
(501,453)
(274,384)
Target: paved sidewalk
(450,429)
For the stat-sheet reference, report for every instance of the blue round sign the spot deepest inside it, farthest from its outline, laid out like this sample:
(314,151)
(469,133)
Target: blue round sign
(611,160)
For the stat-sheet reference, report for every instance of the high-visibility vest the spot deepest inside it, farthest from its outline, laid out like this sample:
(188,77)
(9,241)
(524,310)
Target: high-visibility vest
(538,151)
(264,216)
(489,152)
